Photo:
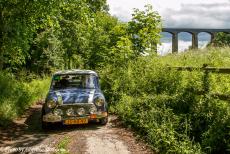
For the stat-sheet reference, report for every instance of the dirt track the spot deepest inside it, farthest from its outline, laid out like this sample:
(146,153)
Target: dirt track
(26,135)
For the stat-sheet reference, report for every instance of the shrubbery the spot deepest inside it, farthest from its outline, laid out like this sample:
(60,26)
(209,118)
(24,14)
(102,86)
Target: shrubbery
(16,96)
(162,104)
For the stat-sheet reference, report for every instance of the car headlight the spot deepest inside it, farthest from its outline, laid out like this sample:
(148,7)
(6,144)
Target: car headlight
(70,112)
(81,111)
(92,110)
(99,102)
(58,112)
(51,104)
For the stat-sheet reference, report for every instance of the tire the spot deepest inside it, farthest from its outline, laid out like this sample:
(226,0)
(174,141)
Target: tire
(45,125)
(104,121)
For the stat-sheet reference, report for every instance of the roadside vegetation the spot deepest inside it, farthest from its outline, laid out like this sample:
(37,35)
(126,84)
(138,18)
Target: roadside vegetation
(162,104)
(62,146)
(159,103)
(16,96)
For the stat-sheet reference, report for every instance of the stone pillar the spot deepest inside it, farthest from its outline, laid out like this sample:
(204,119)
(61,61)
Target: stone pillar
(174,42)
(213,35)
(194,40)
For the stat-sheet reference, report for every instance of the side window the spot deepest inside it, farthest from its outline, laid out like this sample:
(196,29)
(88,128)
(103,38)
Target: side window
(89,81)
(96,82)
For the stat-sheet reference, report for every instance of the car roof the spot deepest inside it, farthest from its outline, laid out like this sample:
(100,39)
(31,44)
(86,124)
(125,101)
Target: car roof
(75,71)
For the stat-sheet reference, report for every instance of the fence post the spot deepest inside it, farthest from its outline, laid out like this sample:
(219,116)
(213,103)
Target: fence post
(206,86)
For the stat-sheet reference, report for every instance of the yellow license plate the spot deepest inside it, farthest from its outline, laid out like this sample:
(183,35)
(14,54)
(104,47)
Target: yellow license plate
(75,121)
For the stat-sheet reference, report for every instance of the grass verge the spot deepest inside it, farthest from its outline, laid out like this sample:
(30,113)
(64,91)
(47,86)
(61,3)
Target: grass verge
(16,96)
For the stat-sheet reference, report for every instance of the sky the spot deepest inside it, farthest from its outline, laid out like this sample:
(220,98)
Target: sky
(179,14)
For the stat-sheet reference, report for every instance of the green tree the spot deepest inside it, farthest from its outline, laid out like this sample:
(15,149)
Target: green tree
(75,21)
(101,40)
(122,52)
(46,53)
(221,39)
(19,21)
(98,5)
(144,29)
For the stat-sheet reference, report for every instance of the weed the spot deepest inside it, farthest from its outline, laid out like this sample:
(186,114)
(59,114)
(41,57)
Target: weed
(62,146)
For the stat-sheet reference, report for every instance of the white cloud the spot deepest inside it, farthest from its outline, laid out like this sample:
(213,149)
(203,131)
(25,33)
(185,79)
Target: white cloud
(179,13)
(123,8)
(121,13)
(213,15)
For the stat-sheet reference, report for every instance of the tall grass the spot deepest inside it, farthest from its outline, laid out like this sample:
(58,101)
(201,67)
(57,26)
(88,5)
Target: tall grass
(162,104)
(16,96)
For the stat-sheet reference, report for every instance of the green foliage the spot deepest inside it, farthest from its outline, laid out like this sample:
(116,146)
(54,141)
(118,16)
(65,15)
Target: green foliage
(162,104)
(99,5)
(19,20)
(121,52)
(17,96)
(75,21)
(62,146)
(145,28)
(46,53)
(221,39)
(157,123)
(100,40)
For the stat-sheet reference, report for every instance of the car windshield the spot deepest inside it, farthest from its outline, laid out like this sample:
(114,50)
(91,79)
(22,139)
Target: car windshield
(84,81)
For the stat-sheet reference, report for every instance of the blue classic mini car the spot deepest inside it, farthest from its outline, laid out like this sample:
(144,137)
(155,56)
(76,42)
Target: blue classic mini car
(74,97)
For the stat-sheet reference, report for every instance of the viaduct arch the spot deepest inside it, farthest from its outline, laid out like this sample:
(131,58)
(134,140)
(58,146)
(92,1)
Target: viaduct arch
(194,32)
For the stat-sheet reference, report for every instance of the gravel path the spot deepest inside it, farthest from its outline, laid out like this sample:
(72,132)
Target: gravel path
(26,136)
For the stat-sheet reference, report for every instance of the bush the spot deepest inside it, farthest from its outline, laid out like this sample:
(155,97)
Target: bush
(16,96)
(157,123)
(162,104)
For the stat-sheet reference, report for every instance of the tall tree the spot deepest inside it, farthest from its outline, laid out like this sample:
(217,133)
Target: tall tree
(75,22)
(19,22)
(221,39)
(145,28)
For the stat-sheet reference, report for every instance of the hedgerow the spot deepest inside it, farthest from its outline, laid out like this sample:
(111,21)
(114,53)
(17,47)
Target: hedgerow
(163,106)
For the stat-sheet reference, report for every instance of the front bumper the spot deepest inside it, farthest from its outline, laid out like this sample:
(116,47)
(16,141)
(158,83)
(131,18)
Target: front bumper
(50,117)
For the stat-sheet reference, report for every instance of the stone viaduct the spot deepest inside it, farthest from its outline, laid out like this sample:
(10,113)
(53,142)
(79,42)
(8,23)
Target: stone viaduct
(194,32)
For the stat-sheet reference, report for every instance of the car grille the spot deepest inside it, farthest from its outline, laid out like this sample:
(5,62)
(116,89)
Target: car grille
(75,108)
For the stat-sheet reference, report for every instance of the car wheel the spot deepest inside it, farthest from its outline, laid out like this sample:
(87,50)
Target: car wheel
(104,121)
(45,125)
